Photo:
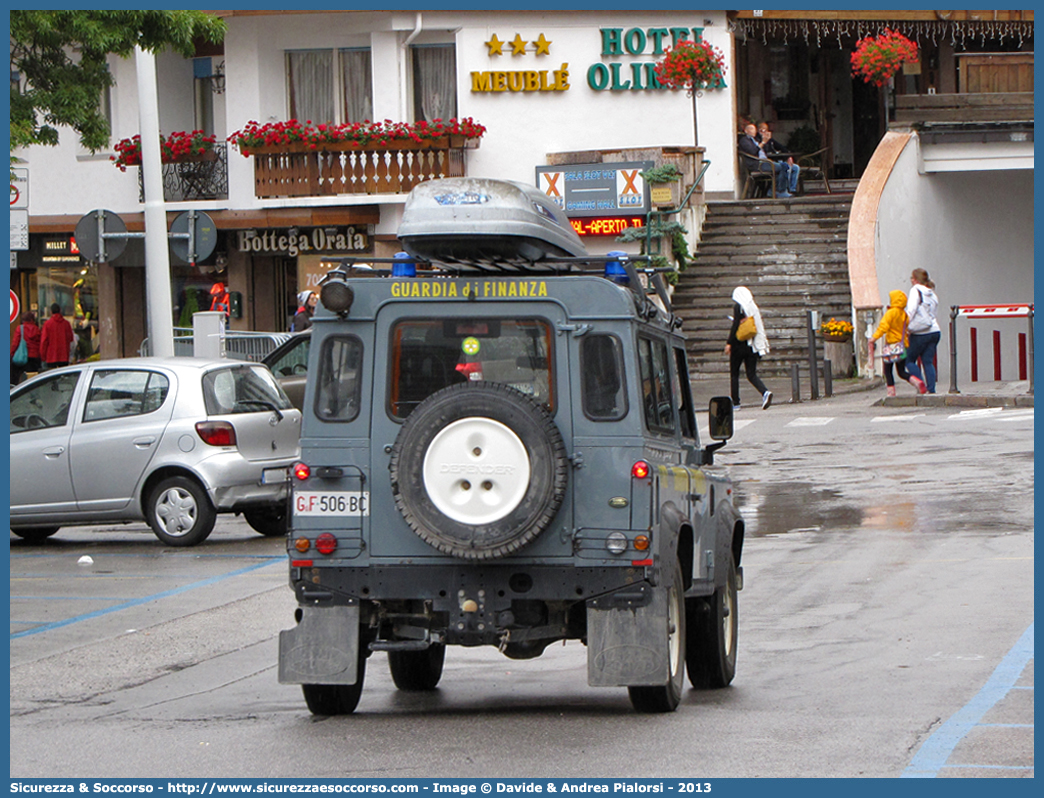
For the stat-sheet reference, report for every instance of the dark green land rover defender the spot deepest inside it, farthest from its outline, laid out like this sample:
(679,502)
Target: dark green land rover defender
(499,447)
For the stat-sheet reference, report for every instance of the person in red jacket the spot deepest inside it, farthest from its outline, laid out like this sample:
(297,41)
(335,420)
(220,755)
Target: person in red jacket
(31,331)
(56,339)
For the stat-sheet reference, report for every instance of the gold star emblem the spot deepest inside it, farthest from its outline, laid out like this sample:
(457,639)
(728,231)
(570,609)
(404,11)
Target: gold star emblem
(496,47)
(518,45)
(543,46)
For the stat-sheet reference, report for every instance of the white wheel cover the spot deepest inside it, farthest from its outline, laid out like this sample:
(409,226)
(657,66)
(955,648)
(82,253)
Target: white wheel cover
(476,470)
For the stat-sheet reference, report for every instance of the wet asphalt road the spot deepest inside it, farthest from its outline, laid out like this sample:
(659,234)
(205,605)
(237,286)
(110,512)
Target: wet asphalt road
(888,569)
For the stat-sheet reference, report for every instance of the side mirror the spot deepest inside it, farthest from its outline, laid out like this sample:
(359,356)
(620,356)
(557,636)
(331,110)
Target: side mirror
(721,426)
(721,418)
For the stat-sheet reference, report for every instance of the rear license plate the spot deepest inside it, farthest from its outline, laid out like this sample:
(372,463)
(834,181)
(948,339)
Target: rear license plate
(274,476)
(332,503)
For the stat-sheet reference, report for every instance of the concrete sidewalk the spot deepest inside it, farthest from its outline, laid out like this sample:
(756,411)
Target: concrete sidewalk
(978,394)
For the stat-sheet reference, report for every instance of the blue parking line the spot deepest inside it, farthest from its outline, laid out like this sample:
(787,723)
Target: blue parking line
(145,600)
(931,757)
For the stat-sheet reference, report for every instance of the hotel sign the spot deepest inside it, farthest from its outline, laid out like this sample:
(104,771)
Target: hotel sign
(596,189)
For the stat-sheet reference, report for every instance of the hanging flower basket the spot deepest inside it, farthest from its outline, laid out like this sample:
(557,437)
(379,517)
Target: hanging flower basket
(693,66)
(295,136)
(180,147)
(877,58)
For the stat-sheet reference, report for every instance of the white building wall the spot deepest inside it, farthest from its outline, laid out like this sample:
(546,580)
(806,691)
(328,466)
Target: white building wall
(523,127)
(973,232)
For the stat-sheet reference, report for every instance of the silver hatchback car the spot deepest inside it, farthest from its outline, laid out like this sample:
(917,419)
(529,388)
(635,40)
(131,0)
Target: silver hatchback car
(172,441)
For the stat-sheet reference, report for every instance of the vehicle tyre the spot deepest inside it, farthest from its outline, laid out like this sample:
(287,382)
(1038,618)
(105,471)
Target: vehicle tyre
(269,521)
(180,512)
(666,698)
(338,699)
(713,635)
(35,534)
(417,670)
(479,470)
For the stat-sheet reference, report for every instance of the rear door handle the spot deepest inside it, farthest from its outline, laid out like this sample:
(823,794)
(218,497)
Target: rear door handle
(54,452)
(144,443)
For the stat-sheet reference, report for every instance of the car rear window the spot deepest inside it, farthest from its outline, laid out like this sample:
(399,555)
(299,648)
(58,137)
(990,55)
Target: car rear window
(242,389)
(602,377)
(121,393)
(339,381)
(428,355)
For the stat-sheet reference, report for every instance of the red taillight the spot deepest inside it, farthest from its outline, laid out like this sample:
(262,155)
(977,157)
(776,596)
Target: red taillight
(301,471)
(326,543)
(216,433)
(640,470)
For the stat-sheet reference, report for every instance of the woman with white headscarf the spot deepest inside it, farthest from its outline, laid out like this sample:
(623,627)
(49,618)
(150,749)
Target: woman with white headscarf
(747,352)
(303,318)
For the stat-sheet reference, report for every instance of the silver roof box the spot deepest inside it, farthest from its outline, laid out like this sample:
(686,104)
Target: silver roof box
(479,219)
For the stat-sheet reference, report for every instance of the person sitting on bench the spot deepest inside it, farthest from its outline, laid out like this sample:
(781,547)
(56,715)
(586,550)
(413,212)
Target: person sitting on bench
(751,151)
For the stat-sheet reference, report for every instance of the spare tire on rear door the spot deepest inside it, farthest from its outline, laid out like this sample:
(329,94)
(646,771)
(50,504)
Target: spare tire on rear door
(479,470)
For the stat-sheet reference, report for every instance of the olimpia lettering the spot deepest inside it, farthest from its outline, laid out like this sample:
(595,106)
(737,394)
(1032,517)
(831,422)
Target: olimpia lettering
(637,75)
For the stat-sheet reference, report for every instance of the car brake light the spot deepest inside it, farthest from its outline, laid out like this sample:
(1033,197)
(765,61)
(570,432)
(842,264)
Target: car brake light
(216,433)
(301,471)
(326,543)
(640,470)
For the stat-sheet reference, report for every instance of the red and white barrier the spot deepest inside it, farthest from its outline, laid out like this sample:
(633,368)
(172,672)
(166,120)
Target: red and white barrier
(994,311)
(1016,310)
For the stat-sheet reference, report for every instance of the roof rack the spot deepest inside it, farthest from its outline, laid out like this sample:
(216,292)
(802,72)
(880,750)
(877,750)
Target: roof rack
(654,284)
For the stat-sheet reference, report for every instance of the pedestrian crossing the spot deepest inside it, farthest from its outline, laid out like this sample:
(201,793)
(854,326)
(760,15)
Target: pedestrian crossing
(990,415)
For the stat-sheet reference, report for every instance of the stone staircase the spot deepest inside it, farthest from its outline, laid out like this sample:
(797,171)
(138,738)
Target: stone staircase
(791,254)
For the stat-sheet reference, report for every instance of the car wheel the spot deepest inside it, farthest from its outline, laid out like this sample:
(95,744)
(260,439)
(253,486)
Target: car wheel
(667,697)
(713,634)
(479,470)
(180,512)
(269,521)
(35,534)
(417,670)
(337,699)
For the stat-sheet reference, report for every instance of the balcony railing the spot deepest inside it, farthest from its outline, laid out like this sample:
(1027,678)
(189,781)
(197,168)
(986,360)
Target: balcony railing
(201,177)
(993,87)
(294,171)
(964,108)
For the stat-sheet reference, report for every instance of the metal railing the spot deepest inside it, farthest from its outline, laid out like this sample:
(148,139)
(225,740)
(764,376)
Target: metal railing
(202,177)
(239,344)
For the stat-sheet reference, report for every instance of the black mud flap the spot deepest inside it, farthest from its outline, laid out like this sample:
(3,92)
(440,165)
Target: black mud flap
(626,643)
(322,649)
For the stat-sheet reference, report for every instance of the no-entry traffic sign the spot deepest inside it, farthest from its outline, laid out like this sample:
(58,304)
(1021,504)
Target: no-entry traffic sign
(15,308)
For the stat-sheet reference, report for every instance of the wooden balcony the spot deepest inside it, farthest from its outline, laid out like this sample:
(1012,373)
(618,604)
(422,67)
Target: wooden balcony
(913,109)
(995,73)
(393,168)
(992,87)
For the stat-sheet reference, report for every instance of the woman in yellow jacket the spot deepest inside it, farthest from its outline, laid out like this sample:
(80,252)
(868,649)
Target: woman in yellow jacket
(893,328)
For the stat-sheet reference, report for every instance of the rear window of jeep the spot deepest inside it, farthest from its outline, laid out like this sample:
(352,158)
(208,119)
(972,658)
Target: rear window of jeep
(428,355)
(339,384)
